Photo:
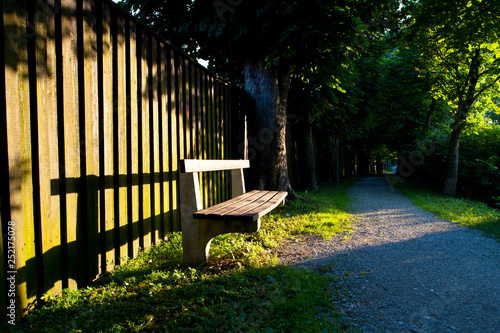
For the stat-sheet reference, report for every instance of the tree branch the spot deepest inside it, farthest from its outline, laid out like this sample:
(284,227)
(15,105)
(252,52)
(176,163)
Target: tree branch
(486,87)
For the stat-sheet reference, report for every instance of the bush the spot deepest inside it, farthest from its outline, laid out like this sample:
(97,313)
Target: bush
(479,175)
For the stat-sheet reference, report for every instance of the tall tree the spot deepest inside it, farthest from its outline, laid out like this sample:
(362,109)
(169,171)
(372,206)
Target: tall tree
(458,41)
(267,41)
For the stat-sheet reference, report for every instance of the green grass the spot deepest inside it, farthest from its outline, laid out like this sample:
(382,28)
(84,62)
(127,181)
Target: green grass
(469,213)
(241,289)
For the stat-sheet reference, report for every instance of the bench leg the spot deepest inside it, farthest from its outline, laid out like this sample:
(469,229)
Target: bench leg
(196,239)
(198,234)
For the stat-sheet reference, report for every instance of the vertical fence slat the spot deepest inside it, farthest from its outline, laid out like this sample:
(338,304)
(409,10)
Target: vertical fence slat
(163,138)
(155,144)
(179,75)
(91,132)
(122,137)
(134,144)
(19,147)
(204,130)
(219,149)
(213,140)
(109,198)
(4,178)
(145,144)
(186,110)
(215,102)
(48,153)
(71,135)
(193,112)
(173,139)
(197,129)
(196,110)
(191,108)
(226,136)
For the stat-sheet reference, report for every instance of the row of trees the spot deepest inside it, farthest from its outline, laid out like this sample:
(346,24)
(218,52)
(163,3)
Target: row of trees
(374,77)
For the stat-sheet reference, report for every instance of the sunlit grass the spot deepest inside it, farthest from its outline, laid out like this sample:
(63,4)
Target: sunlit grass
(325,213)
(241,289)
(469,213)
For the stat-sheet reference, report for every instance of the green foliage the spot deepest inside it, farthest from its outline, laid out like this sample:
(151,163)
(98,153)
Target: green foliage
(458,44)
(240,289)
(405,97)
(468,213)
(479,173)
(302,34)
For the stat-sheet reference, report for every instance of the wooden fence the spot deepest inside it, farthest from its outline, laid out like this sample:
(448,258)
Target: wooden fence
(96,113)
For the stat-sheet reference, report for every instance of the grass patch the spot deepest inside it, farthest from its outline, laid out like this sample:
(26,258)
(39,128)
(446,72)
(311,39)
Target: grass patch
(241,289)
(271,299)
(469,213)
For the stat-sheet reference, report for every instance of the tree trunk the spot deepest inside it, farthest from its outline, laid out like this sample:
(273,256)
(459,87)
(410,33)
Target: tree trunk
(363,162)
(450,184)
(310,160)
(430,112)
(464,104)
(268,89)
(333,160)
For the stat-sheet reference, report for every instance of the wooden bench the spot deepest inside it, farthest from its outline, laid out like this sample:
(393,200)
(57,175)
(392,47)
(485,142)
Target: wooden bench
(240,214)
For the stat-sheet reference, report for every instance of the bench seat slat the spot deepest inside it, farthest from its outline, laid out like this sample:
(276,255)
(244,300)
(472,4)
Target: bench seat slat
(242,210)
(246,202)
(247,197)
(265,208)
(247,207)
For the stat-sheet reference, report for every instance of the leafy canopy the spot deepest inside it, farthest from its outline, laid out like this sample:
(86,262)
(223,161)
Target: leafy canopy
(276,32)
(459,46)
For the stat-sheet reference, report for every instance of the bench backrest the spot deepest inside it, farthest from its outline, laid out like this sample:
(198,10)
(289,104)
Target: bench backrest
(188,166)
(189,176)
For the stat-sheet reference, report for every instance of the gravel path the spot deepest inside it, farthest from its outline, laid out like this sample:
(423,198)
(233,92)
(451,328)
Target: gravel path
(404,270)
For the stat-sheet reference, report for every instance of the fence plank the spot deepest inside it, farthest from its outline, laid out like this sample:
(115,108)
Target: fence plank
(4,179)
(179,86)
(186,108)
(122,143)
(91,132)
(173,140)
(226,138)
(109,149)
(145,143)
(204,140)
(163,140)
(218,146)
(48,158)
(71,137)
(19,147)
(190,107)
(196,109)
(212,140)
(134,138)
(155,143)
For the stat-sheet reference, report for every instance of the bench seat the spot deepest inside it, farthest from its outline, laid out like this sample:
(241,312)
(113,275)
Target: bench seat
(248,207)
